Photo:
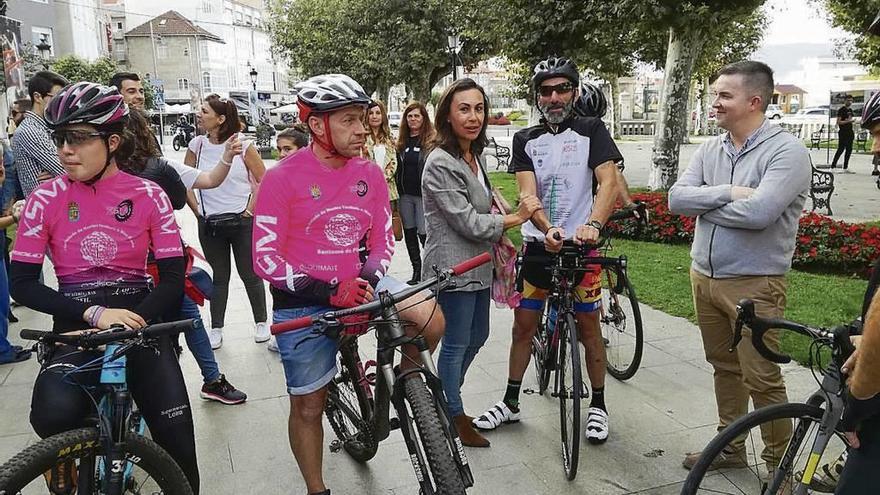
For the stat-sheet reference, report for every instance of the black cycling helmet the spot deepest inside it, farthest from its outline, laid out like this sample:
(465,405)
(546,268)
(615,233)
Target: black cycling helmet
(555,67)
(871,112)
(591,102)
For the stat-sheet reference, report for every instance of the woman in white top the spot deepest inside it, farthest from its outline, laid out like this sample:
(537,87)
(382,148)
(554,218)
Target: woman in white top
(224,213)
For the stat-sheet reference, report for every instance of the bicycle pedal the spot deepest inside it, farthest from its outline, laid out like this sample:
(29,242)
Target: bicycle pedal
(393,423)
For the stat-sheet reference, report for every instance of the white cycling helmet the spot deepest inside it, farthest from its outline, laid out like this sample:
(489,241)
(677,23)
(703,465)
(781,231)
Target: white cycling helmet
(328,92)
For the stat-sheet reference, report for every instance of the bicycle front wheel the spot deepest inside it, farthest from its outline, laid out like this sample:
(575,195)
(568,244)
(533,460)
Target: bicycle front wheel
(738,460)
(152,469)
(569,389)
(621,322)
(432,436)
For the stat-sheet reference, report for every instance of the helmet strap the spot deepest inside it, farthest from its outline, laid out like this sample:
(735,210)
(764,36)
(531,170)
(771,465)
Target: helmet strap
(100,175)
(328,143)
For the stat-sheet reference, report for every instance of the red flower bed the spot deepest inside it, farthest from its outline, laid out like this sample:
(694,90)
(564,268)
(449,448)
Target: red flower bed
(821,241)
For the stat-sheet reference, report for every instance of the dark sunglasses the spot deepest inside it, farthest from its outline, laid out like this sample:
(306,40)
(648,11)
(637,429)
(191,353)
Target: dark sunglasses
(74,137)
(560,89)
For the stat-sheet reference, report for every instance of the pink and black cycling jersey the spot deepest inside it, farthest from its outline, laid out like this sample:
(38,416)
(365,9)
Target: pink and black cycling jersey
(98,235)
(316,226)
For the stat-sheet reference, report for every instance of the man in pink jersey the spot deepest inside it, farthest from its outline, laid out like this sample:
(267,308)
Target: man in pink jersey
(323,240)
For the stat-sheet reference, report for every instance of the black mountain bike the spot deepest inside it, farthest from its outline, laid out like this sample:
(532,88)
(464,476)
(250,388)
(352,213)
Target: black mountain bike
(358,403)
(113,457)
(753,467)
(554,346)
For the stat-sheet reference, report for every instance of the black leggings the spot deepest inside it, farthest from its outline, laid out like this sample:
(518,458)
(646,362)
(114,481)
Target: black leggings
(216,246)
(861,473)
(155,381)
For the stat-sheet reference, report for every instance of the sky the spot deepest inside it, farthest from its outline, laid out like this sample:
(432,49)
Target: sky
(798,21)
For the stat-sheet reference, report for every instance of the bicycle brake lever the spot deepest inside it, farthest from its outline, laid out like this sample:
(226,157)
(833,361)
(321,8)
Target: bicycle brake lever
(738,330)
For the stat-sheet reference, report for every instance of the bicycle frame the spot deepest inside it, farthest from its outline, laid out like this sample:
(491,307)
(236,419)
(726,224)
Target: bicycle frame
(388,390)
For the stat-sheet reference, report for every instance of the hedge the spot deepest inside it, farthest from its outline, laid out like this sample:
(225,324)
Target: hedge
(822,243)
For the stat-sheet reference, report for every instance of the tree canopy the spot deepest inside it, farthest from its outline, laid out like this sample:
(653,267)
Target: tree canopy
(855,16)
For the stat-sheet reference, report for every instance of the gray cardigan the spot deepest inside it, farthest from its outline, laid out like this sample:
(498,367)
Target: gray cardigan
(754,236)
(457,218)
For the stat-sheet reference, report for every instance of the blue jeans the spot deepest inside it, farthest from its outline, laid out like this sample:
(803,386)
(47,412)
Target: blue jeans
(197,342)
(467,328)
(5,346)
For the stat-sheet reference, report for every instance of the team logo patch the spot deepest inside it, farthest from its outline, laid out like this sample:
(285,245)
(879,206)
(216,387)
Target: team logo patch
(73,211)
(316,191)
(361,188)
(342,229)
(124,210)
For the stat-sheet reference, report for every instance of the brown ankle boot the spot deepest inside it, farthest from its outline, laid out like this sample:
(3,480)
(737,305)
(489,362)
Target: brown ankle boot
(469,436)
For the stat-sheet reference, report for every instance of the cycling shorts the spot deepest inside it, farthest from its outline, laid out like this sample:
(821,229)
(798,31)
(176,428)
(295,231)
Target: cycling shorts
(534,280)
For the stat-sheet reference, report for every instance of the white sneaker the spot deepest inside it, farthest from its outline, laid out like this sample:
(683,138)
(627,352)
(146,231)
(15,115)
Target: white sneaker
(597,426)
(261,332)
(273,345)
(215,335)
(496,416)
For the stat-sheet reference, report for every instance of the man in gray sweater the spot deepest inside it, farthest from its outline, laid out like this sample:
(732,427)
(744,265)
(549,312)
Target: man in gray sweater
(747,188)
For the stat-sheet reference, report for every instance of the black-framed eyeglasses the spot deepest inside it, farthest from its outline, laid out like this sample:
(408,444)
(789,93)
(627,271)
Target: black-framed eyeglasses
(74,137)
(560,89)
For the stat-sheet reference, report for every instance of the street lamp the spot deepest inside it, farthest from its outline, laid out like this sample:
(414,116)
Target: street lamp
(452,42)
(253,74)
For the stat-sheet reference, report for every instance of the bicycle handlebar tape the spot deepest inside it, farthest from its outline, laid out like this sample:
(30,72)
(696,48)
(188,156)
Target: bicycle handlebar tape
(468,265)
(290,325)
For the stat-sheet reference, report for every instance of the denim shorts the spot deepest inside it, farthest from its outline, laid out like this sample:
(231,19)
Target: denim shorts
(309,359)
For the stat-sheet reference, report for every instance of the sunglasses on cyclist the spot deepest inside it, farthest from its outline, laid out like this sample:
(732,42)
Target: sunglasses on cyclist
(74,137)
(560,89)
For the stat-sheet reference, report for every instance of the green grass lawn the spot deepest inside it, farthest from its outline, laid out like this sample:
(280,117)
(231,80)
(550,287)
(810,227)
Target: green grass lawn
(659,273)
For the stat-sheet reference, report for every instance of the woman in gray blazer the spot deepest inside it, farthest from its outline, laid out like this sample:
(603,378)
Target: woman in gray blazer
(457,199)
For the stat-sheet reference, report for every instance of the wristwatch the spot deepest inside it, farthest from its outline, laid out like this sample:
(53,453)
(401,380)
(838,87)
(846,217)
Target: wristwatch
(595,224)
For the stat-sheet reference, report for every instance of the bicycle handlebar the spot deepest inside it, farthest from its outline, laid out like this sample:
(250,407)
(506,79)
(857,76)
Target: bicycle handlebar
(638,210)
(745,312)
(376,304)
(96,338)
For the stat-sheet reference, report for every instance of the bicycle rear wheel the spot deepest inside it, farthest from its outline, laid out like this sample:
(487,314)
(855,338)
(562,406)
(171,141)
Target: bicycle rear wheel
(726,467)
(349,410)
(569,389)
(621,322)
(153,470)
(541,350)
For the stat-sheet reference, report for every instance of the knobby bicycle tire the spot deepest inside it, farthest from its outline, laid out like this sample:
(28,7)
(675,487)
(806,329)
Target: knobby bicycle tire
(349,412)
(29,465)
(621,322)
(750,479)
(569,388)
(444,472)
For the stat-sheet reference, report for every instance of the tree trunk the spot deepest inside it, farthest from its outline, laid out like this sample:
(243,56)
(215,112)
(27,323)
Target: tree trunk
(382,90)
(691,106)
(706,107)
(615,106)
(421,90)
(671,125)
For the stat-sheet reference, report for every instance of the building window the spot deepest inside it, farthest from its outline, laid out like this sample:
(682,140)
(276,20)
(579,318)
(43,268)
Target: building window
(203,51)
(207,7)
(183,84)
(40,34)
(206,81)
(161,51)
(231,74)
(118,25)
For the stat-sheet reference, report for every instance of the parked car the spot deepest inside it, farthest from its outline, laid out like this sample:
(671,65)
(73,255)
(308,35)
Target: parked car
(773,112)
(394,119)
(813,113)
